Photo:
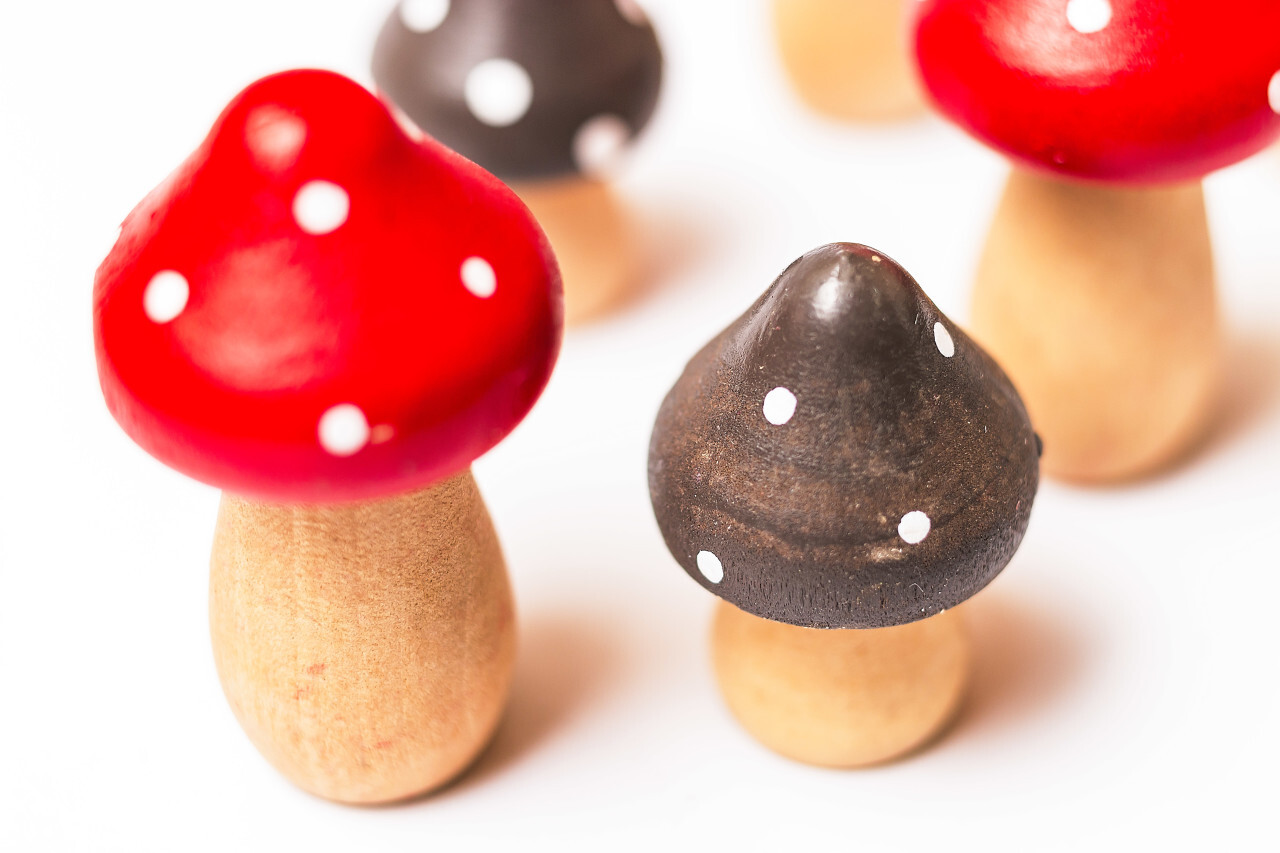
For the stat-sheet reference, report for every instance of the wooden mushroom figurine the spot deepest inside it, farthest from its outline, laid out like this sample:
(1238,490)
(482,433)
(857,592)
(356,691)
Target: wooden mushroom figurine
(1096,288)
(848,59)
(330,321)
(546,99)
(842,466)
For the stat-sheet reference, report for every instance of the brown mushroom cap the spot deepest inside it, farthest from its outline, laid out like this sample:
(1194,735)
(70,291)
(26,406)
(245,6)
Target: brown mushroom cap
(843,455)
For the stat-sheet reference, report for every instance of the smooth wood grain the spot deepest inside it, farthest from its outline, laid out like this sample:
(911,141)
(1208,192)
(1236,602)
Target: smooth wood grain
(848,59)
(1100,304)
(845,697)
(591,239)
(366,649)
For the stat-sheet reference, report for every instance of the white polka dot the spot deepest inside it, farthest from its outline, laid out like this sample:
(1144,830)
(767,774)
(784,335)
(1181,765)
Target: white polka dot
(423,16)
(1088,16)
(779,406)
(344,430)
(942,338)
(599,142)
(321,207)
(709,565)
(478,277)
(914,527)
(274,136)
(498,92)
(632,11)
(1273,92)
(165,297)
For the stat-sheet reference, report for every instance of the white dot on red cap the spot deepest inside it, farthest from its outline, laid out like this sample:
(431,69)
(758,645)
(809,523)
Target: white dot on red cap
(914,527)
(498,92)
(710,566)
(942,338)
(599,142)
(779,406)
(321,207)
(632,11)
(478,277)
(275,136)
(343,430)
(1273,92)
(1088,16)
(165,297)
(423,16)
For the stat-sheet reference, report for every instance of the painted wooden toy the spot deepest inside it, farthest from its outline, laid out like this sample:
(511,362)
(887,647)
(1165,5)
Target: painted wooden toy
(842,466)
(848,59)
(1096,287)
(330,321)
(548,100)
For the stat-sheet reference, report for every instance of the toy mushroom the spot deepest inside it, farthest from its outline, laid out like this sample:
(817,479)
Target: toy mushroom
(1096,287)
(548,100)
(330,321)
(842,466)
(848,59)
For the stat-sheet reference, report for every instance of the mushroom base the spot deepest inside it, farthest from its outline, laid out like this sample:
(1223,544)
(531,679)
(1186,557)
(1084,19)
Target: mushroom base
(366,649)
(841,698)
(591,240)
(1099,302)
(848,59)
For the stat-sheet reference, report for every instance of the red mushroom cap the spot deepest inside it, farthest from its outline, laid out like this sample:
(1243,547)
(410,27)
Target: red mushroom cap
(316,308)
(1137,91)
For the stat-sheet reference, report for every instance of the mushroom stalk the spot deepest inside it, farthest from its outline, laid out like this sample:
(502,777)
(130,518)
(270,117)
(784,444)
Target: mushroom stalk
(848,59)
(841,697)
(367,648)
(1099,301)
(588,232)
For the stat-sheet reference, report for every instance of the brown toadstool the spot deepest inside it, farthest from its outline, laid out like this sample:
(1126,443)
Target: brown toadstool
(842,466)
(546,100)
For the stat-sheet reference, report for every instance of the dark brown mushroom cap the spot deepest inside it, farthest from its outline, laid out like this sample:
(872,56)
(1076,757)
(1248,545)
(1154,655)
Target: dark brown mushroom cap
(526,88)
(843,455)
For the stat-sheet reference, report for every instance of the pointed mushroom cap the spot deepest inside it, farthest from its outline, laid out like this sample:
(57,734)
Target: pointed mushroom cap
(316,308)
(1138,91)
(842,455)
(525,90)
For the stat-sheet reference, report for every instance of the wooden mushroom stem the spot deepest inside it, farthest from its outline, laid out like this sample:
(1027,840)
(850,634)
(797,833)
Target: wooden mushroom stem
(586,228)
(840,698)
(1099,302)
(366,649)
(848,58)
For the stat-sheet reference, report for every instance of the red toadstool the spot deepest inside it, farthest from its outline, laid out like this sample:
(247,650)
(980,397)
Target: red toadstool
(330,321)
(1096,287)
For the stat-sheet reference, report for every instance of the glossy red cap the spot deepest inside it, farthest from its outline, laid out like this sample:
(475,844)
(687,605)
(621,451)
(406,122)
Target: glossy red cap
(1134,91)
(315,308)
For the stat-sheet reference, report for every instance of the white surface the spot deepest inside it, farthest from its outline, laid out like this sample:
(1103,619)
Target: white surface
(1126,692)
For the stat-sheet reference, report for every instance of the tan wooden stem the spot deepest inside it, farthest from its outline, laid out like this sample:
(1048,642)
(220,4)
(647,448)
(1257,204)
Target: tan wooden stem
(1099,302)
(366,649)
(842,698)
(591,239)
(848,59)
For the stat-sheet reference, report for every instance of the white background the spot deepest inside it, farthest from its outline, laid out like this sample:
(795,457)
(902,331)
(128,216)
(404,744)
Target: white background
(1125,694)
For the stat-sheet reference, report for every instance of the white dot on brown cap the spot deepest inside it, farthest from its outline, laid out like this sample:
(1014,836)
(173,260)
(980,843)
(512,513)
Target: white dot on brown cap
(710,566)
(942,338)
(779,406)
(423,16)
(599,142)
(914,527)
(498,92)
